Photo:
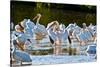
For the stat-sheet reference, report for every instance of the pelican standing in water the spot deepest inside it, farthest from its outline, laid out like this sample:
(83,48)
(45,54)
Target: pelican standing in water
(82,35)
(40,30)
(86,34)
(92,30)
(53,31)
(28,27)
(18,46)
(57,35)
(31,29)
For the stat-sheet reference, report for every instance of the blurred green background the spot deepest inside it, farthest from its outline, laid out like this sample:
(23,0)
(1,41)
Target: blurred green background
(64,13)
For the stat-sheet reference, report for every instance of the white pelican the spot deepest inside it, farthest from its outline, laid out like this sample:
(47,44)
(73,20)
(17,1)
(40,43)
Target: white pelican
(20,56)
(57,34)
(91,49)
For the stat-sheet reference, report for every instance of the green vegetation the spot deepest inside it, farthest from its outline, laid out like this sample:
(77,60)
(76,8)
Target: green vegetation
(63,13)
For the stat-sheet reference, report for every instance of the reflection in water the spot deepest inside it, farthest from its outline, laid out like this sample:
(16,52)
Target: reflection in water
(61,59)
(82,56)
(74,49)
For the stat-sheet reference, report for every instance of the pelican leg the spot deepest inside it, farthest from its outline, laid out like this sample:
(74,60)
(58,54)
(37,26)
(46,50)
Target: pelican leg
(80,43)
(54,49)
(57,48)
(94,37)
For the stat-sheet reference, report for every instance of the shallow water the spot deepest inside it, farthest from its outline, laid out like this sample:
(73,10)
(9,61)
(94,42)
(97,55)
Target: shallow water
(61,59)
(64,58)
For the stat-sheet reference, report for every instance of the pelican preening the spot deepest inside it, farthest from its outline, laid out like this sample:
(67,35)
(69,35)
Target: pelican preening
(57,34)
(31,32)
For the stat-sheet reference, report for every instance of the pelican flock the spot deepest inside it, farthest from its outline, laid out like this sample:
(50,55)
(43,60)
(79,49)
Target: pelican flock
(28,33)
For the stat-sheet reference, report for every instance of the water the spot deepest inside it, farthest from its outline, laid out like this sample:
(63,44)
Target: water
(83,56)
(61,59)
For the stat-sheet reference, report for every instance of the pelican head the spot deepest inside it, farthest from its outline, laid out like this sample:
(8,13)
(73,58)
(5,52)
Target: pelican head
(23,22)
(84,25)
(17,27)
(39,15)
